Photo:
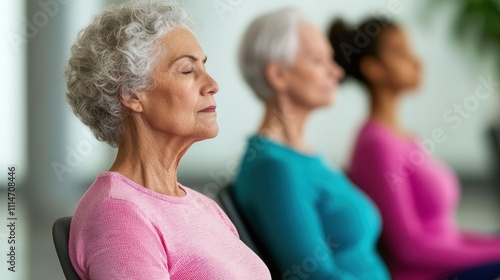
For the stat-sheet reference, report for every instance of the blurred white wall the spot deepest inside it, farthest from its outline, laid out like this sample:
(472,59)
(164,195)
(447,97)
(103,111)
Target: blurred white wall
(450,77)
(13,93)
(69,155)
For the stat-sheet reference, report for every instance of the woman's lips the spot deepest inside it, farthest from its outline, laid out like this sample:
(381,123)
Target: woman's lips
(209,109)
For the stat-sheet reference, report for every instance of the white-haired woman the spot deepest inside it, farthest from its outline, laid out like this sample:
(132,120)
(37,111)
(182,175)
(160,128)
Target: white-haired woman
(137,78)
(314,222)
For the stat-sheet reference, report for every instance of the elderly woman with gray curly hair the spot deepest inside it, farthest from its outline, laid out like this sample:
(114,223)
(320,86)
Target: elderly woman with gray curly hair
(136,78)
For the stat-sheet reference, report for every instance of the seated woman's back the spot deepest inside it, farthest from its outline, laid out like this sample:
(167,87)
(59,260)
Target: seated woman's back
(311,218)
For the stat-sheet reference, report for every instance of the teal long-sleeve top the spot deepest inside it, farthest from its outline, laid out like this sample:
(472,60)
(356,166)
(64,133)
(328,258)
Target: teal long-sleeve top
(314,222)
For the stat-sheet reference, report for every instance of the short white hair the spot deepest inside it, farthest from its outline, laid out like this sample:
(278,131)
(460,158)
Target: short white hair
(270,37)
(114,56)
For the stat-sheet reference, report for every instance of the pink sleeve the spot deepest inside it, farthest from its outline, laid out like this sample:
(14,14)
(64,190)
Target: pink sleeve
(377,170)
(122,244)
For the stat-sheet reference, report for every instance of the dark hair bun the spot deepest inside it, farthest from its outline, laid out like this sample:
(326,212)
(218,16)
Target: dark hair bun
(351,44)
(341,37)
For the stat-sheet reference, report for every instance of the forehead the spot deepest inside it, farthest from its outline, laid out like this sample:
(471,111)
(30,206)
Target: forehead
(178,42)
(311,38)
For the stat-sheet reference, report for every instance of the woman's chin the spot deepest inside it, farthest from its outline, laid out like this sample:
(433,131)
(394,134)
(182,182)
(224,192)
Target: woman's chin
(208,133)
(326,102)
(414,87)
(213,134)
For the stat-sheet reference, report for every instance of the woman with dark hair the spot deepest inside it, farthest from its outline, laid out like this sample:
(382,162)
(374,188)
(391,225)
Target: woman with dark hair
(416,194)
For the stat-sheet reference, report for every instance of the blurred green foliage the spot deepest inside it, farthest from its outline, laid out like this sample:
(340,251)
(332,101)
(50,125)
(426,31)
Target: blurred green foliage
(476,21)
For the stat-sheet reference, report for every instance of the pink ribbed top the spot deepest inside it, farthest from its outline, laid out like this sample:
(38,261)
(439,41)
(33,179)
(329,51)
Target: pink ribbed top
(121,230)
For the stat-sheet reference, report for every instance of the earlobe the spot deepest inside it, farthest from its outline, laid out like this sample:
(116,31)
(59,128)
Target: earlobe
(133,103)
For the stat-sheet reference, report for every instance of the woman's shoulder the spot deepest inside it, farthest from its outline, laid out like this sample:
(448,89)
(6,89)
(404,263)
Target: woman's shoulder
(112,192)
(107,187)
(107,193)
(269,165)
(373,131)
(373,136)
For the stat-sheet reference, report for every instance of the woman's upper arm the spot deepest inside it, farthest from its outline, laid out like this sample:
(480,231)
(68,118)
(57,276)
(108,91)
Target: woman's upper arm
(122,244)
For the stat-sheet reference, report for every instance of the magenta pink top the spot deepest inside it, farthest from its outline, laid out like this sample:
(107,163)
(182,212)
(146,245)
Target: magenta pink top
(121,230)
(417,196)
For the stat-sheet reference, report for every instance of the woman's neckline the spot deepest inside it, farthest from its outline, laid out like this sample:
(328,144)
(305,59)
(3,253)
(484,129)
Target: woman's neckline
(282,146)
(128,181)
(407,137)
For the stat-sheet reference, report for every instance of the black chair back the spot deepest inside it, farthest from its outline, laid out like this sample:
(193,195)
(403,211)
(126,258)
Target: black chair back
(494,138)
(247,235)
(60,234)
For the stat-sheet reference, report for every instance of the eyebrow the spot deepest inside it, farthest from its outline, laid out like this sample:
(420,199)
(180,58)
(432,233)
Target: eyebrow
(192,57)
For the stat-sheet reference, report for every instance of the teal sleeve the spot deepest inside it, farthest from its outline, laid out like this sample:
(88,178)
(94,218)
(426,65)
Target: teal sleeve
(290,224)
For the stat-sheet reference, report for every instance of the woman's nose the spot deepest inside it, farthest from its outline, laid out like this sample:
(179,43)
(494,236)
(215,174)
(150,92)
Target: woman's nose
(212,86)
(338,72)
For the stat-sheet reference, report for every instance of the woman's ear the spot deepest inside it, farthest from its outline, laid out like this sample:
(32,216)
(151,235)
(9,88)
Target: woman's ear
(276,76)
(133,103)
(372,70)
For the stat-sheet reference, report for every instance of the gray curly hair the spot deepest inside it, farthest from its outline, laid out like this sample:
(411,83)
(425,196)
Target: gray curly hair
(114,57)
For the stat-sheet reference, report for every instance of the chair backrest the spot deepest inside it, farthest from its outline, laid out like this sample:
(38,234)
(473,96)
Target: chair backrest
(247,235)
(494,138)
(60,234)
(232,212)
